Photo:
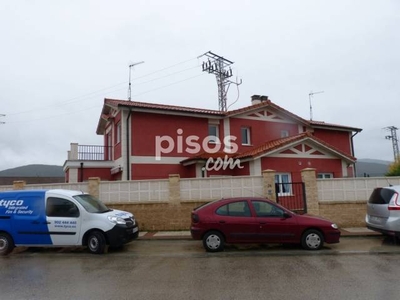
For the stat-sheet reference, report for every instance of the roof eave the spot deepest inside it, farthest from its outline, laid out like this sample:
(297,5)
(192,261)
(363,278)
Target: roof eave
(101,125)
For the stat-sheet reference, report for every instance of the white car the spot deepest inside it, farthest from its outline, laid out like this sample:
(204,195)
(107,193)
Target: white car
(383,211)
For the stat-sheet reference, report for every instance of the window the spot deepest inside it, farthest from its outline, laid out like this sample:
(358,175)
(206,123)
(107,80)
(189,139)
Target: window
(213,133)
(119,132)
(282,184)
(265,209)
(235,209)
(245,131)
(324,175)
(58,207)
(284,133)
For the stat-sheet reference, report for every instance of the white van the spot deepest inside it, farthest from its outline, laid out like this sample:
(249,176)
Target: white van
(45,218)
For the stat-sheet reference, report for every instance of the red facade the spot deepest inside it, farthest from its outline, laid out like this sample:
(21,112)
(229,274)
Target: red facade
(151,141)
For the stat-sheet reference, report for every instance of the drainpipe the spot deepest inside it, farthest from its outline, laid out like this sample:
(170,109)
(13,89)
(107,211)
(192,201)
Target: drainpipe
(352,152)
(81,172)
(128,150)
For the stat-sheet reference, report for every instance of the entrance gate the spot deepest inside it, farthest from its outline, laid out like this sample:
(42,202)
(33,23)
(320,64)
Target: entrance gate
(292,195)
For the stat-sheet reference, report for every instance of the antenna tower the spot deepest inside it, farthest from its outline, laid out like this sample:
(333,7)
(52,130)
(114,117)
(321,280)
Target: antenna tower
(130,84)
(220,67)
(310,95)
(395,141)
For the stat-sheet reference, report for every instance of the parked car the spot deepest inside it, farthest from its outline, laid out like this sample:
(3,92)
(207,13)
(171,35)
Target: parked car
(258,220)
(383,211)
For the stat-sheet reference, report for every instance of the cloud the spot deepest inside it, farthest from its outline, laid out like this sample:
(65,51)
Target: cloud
(60,60)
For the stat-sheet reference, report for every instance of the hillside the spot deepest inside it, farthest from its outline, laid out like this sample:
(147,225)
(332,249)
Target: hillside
(372,167)
(34,171)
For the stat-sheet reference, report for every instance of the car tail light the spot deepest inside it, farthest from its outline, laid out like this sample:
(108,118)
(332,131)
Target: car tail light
(195,218)
(394,202)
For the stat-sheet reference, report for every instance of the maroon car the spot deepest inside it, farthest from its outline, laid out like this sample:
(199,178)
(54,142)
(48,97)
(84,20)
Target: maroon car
(258,220)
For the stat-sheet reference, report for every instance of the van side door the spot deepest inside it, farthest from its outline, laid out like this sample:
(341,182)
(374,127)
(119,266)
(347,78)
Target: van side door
(63,221)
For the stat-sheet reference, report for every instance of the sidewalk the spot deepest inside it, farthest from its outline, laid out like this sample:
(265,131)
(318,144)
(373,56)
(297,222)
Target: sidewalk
(174,235)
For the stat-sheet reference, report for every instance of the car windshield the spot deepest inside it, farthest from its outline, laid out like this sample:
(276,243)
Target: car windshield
(92,204)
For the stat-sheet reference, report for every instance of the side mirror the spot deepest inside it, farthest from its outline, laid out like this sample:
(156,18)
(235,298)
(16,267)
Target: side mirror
(286,215)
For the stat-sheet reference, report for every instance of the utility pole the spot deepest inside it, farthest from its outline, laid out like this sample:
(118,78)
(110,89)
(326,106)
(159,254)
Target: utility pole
(129,88)
(1,115)
(218,66)
(310,95)
(395,142)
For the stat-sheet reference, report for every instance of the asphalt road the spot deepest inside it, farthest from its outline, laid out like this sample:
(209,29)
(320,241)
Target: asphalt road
(181,269)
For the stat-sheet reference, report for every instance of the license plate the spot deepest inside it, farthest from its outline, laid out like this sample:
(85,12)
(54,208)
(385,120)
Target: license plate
(375,219)
(135,229)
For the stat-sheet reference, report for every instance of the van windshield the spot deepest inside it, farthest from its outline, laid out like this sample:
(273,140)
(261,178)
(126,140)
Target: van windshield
(92,204)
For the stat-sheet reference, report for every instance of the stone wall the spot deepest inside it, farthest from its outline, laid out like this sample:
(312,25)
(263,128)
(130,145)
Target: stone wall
(167,204)
(160,216)
(344,214)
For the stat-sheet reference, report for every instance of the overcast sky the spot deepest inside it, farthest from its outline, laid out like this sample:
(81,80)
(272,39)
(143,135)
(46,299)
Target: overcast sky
(60,59)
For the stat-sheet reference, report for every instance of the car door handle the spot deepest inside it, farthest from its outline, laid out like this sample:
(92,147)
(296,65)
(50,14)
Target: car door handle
(263,223)
(35,222)
(222,222)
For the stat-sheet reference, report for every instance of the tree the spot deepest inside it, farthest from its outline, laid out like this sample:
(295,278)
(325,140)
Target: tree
(394,168)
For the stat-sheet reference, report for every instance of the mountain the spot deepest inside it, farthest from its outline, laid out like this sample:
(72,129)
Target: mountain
(372,167)
(34,171)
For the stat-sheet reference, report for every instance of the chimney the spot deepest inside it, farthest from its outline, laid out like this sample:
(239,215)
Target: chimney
(256,99)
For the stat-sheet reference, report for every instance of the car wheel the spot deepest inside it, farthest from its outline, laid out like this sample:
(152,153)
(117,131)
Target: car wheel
(6,243)
(312,240)
(96,242)
(213,241)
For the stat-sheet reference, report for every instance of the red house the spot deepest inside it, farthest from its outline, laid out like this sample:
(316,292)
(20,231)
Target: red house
(151,141)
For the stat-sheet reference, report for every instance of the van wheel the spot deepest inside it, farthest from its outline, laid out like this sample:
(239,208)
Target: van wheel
(312,240)
(213,241)
(6,243)
(96,242)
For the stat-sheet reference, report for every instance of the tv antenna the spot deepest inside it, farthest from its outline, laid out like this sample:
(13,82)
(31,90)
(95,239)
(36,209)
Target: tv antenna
(395,141)
(1,115)
(130,84)
(310,95)
(218,66)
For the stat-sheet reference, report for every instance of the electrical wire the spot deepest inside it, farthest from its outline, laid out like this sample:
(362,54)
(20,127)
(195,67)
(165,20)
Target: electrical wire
(92,94)
(238,95)
(159,88)
(99,106)
(56,116)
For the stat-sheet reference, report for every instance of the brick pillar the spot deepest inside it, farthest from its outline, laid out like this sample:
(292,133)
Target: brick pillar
(269,184)
(19,185)
(94,186)
(309,178)
(174,189)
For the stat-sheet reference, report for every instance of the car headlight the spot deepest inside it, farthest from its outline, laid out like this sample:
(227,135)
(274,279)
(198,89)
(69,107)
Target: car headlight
(116,220)
(334,226)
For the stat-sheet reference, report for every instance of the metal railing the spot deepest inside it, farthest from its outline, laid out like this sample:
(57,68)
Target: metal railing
(92,152)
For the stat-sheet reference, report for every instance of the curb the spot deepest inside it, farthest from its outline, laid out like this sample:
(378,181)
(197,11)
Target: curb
(185,235)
